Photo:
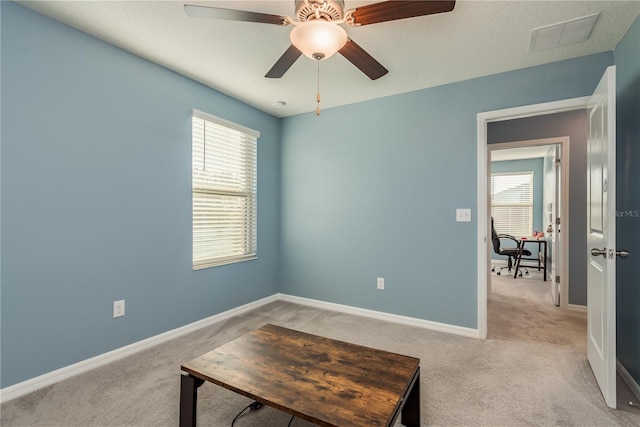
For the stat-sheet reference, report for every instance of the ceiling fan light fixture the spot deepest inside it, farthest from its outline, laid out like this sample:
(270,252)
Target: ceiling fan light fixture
(318,39)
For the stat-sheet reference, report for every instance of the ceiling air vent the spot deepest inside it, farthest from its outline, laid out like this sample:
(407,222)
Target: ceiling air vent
(562,34)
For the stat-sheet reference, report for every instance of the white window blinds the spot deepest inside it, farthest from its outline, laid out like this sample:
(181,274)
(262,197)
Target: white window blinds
(512,203)
(224,169)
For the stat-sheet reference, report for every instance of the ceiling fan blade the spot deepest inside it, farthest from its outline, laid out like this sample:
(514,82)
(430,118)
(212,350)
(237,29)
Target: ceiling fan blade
(284,63)
(362,60)
(393,10)
(233,15)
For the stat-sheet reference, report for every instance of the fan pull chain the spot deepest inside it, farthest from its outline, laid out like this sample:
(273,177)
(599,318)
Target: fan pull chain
(318,94)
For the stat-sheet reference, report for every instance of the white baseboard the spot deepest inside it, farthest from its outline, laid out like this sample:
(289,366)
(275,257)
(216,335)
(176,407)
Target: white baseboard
(53,377)
(626,376)
(576,307)
(380,315)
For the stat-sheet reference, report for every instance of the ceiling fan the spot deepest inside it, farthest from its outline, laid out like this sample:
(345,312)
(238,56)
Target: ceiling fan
(317,32)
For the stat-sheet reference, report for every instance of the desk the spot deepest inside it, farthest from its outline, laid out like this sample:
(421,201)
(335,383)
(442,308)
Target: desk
(320,380)
(541,257)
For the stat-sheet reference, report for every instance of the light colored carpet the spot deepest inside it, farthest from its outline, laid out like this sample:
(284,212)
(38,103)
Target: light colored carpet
(522,309)
(514,378)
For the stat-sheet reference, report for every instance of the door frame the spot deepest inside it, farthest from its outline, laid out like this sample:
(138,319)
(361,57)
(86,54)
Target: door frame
(564,143)
(483,226)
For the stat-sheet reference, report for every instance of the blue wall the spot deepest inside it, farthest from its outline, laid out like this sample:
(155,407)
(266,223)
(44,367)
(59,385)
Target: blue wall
(96,198)
(370,190)
(627,61)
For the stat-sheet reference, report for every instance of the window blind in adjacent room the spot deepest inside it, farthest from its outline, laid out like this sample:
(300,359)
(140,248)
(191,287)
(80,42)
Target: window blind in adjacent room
(224,187)
(512,203)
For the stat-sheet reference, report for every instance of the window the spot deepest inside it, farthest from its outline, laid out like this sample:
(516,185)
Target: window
(512,203)
(224,158)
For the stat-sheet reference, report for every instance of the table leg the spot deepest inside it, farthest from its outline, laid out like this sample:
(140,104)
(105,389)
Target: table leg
(545,261)
(411,410)
(518,258)
(189,399)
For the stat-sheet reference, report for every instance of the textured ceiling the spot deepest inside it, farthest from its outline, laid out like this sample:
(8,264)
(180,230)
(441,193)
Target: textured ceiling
(477,38)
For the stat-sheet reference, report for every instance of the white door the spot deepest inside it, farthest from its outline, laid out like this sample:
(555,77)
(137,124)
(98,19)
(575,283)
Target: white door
(601,236)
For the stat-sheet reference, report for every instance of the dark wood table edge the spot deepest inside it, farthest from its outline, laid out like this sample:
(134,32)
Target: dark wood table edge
(408,407)
(190,382)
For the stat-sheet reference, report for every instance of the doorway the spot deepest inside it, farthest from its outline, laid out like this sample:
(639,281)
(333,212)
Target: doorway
(526,194)
(484,226)
(601,148)
(532,208)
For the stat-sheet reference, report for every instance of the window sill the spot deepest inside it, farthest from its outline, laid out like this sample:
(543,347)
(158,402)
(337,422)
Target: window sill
(201,265)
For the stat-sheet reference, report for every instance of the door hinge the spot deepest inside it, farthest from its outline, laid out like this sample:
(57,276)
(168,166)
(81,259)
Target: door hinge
(557,279)
(558,221)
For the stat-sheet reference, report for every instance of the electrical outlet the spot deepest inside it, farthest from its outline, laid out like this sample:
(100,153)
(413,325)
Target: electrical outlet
(118,308)
(381,283)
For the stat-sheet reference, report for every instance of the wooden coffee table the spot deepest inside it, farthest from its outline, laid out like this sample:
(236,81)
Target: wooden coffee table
(324,381)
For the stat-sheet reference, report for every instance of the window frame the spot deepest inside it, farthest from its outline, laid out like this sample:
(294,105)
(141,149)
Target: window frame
(216,197)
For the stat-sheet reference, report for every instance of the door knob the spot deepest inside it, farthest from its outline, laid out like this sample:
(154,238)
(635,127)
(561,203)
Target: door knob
(623,253)
(597,252)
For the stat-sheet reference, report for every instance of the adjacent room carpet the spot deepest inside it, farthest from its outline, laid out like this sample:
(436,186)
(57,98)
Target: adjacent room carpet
(532,371)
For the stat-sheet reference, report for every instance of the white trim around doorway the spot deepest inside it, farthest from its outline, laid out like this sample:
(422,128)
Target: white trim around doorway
(483,220)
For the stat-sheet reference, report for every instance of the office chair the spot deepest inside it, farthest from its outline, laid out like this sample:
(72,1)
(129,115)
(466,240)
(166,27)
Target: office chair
(511,252)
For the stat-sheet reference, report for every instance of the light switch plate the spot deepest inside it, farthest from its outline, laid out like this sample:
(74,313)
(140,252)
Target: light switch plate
(463,215)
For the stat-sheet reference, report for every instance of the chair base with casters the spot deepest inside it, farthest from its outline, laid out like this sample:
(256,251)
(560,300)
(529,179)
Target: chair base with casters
(509,266)
(513,253)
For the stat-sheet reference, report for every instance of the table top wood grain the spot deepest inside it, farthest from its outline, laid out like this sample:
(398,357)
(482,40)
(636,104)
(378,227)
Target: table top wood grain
(324,381)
